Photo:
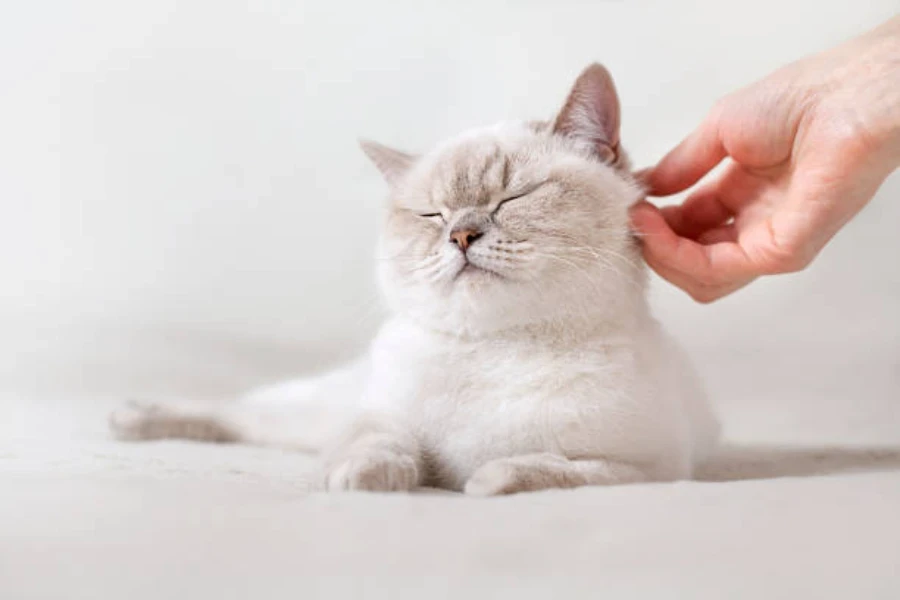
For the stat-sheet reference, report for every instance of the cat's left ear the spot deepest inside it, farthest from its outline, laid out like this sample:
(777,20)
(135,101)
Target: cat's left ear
(591,113)
(393,164)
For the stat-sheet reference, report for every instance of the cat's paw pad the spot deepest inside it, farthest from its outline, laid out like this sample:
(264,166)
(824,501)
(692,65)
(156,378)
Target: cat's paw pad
(376,472)
(495,478)
(132,420)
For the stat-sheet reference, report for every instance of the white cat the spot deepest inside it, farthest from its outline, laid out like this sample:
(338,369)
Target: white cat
(521,354)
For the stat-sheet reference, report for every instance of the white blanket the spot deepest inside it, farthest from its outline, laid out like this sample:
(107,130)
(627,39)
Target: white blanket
(83,516)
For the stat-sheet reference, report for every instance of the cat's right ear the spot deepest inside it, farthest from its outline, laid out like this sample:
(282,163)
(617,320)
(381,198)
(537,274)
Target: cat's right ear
(393,164)
(591,113)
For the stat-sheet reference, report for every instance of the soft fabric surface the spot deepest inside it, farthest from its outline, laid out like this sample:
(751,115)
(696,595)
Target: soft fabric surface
(84,516)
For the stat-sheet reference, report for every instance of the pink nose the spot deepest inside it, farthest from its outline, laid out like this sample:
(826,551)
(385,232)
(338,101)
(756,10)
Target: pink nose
(464,238)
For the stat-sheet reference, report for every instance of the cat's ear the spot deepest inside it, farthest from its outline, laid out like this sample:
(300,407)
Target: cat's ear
(393,164)
(591,113)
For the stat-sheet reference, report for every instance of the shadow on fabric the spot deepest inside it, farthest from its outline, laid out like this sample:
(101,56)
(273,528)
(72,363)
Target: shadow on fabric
(736,462)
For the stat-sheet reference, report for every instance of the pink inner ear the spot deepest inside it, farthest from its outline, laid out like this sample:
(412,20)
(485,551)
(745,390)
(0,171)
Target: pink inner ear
(591,112)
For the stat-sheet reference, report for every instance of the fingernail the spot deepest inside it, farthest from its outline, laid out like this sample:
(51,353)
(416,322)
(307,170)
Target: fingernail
(641,205)
(642,176)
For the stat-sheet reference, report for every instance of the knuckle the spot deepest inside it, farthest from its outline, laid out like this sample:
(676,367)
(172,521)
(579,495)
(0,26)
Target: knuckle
(785,260)
(719,108)
(783,254)
(703,294)
(850,135)
(706,279)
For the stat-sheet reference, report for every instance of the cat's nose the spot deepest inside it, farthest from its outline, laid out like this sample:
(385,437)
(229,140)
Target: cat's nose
(464,237)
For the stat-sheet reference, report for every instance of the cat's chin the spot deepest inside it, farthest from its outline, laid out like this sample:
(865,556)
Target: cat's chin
(478,303)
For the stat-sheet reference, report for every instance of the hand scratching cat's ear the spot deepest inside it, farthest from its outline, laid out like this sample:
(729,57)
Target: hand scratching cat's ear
(393,164)
(591,113)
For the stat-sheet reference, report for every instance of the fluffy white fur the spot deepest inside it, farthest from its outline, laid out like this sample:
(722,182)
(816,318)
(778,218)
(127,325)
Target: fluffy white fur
(523,358)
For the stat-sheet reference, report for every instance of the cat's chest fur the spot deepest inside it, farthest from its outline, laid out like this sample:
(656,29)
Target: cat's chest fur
(473,401)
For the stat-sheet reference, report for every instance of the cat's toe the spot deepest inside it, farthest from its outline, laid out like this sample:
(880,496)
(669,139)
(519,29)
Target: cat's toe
(493,479)
(383,472)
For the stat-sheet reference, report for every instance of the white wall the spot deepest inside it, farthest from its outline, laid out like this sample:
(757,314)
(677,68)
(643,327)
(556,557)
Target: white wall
(191,166)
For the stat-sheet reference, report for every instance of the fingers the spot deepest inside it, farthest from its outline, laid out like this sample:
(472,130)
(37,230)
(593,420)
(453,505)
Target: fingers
(690,160)
(701,212)
(719,235)
(700,292)
(706,272)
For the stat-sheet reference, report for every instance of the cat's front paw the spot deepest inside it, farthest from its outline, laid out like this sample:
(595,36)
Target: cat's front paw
(525,473)
(495,478)
(374,472)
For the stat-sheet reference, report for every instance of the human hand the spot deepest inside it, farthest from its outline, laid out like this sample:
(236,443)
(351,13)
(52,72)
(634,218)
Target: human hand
(808,146)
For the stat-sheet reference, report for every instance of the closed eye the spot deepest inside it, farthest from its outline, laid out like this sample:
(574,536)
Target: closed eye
(522,195)
(434,217)
(511,198)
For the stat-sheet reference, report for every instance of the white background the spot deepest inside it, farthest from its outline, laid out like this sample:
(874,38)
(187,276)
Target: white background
(183,209)
(184,175)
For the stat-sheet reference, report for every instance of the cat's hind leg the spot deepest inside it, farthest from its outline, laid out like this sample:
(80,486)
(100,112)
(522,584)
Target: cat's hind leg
(154,420)
(302,415)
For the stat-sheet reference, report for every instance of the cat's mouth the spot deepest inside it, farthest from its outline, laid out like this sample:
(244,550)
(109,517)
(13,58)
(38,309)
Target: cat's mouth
(470,269)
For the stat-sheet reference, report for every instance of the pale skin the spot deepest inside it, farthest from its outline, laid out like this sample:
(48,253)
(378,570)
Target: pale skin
(806,147)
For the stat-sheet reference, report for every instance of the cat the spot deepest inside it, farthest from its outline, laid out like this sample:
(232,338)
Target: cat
(521,354)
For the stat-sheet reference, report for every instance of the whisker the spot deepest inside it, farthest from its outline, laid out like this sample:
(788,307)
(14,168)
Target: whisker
(605,260)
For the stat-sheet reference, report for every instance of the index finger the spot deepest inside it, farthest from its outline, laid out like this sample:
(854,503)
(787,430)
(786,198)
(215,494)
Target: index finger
(722,263)
(690,160)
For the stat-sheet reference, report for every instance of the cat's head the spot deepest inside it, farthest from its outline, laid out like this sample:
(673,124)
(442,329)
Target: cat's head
(516,224)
